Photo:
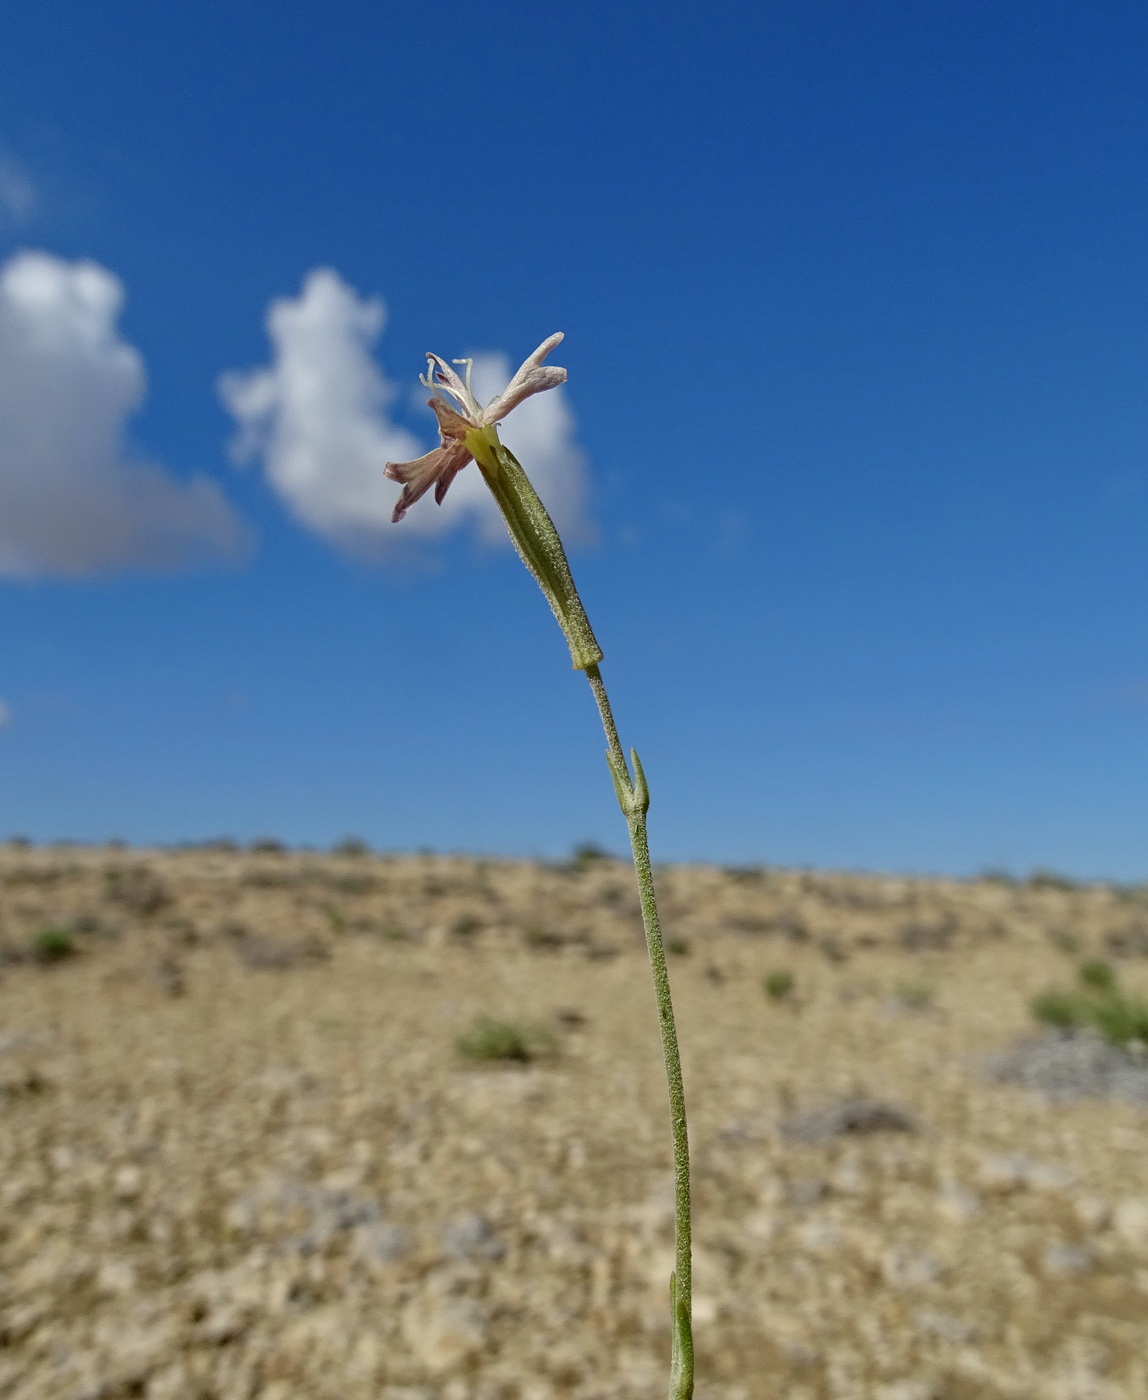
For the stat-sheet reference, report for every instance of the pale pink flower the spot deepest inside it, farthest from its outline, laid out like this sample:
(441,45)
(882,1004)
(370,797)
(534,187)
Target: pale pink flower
(455,420)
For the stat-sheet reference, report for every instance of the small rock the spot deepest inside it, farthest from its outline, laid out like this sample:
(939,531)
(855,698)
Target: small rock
(265,954)
(382,1242)
(1065,1261)
(471,1237)
(1131,1221)
(445,1334)
(945,1326)
(848,1179)
(169,975)
(906,1390)
(854,1116)
(958,1203)
(903,1268)
(1071,1065)
(116,1276)
(740,1132)
(820,1236)
(760,1225)
(1017,1172)
(1092,1211)
(128,1183)
(806,1192)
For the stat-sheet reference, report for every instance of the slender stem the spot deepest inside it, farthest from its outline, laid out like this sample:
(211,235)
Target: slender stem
(682,1362)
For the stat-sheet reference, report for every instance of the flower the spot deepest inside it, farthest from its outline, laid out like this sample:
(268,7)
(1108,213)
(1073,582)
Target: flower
(457,420)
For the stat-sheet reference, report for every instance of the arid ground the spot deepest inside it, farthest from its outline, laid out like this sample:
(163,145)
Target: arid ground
(243,1156)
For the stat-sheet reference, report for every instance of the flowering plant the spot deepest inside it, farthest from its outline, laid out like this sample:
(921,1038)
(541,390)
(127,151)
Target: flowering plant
(468,433)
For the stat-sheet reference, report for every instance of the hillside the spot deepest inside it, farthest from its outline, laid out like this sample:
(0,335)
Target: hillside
(243,1155)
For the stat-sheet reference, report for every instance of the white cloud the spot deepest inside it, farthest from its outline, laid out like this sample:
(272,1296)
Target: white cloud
(319,417)
(17,192)
(72,500)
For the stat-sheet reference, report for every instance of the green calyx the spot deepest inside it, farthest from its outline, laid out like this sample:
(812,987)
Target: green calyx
(536,541)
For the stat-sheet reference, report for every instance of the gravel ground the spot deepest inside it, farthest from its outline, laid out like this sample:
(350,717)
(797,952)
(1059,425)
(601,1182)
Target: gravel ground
(243,1158)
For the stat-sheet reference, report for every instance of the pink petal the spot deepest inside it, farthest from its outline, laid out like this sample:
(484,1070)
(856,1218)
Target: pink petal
(450,423)
(438,469)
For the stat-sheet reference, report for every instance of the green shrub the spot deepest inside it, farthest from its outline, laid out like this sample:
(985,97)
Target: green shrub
(1098,1004)
(1121,1019)
(1051,880)
(1059,1009)
(915,996)
(506,1041)
(585,856)
(53,945)
(543,939)
(1098,975)
(779,984)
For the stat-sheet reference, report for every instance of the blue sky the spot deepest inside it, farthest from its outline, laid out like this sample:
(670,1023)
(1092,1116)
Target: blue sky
(855,439)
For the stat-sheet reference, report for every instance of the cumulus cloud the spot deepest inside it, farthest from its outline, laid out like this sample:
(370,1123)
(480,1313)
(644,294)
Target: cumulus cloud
(319,417)
(73,500)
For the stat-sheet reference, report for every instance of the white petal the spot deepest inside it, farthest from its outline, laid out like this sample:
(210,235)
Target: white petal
(532,378)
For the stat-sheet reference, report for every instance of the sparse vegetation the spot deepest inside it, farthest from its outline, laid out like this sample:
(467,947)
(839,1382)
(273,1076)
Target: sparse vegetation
(927,935)
(779,984)
(915,996)
(508,1041)
(257,1066)
(543,939)
(1128,942)
(1098,1003)
(584,856)
(1052,880)
(1098,975)
(53,944)
(746,874)
(136,888)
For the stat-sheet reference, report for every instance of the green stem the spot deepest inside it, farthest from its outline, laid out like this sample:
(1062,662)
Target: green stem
(633,798)
(541,551)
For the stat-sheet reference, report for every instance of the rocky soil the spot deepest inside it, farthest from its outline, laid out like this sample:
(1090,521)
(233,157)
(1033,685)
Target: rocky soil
(241,1155)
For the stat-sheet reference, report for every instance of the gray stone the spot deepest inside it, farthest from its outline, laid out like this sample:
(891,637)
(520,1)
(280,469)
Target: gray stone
(471,1237)
(1066,1260)
(854,1116)
(1073,1065)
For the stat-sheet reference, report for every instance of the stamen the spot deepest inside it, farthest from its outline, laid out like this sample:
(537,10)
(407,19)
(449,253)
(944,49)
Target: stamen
(469,366)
